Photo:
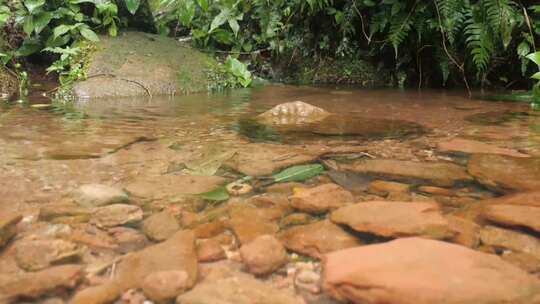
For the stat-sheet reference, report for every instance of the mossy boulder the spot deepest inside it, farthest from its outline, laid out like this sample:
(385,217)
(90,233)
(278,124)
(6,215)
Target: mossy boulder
(8,84)
(139,64)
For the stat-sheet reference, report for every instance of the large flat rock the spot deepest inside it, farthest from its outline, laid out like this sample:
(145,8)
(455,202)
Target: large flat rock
(395,219)
(421,271)
(506,173)
(438,173)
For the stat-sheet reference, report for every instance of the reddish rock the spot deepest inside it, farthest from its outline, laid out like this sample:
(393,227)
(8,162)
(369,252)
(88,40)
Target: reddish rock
(499,238)
(176,254)
(248,223)
(321,199)
(163,187)
(395,219)
(467,231)
(116,215)
(263,255)
(524,261)
(160,226)
(210,251)
(128,239)
(384,188)
(439,173)
(160,286)
(293,113)
(35,284)
(8,227)
(295,219)
(513,215)
(523,198)
(33,255)
(493,171)
(423,271)
(208,230)
(317,239)
(436,191)
(474,147)
(284,188)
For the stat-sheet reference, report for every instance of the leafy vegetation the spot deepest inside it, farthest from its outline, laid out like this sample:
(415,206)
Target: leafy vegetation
(424,43)
(535,57)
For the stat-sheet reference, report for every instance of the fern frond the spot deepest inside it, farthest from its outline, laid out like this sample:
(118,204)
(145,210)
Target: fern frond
(480,43)
(500,15)
(399,30)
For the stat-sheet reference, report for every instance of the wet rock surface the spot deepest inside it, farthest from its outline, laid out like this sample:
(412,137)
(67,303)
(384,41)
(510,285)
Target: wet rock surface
(475,147)
(492,171)
(438,173)
(117,215)
(512,215)
(469,276)
(317,239)
(8,227)
(160,226)
(321,199)
(96,195)
(263,255)
(395,219)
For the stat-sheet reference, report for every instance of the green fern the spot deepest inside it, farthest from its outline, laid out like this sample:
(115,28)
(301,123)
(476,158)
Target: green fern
(399,30)
(480,43)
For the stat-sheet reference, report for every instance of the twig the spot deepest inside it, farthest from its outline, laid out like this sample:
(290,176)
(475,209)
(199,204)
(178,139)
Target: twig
(368,37)
(528,21)
(124,79)
(454,61)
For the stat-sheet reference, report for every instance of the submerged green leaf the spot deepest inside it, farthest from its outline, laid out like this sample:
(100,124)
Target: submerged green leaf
(217,195)
(298,173)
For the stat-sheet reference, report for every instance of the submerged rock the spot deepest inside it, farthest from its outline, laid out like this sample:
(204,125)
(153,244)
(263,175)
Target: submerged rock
(8,227)
(171,186)
(422,271)
(524,198)
(321,199)
(235,287)
(96,195)
(438,173)
(513,215)
(160,226)
(175,254)
(33,255)
(499,238)
(395,219)
(140,64)
(493,172)
(263,255)
(474,147)
(35,284)
(248,223)
(117,215)
(210,251)
(160,286)
(318,238)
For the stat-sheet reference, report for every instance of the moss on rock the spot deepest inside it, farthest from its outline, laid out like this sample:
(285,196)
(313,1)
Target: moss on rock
(138,63)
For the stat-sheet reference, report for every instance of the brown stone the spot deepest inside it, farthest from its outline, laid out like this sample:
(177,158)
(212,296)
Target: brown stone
(248,223)
(8,227)
(384,188)
(263,255)
(54,211)
(35,284)
(293,113)
(233,287)
(160,226)
(33,255)
(295,219)
(395,219)
(493,171)
(95,195)
(128,239)
(436,190)
(175,254)
(164,187)
(208,230)
(523,198)
(474,147)
(467,231)
(510,240)
(210,251)
(513,215)
(116,215)
(522,260)
(439,173)
(321,199)
(160,286)
(317,239)
(423,271)
(284,188)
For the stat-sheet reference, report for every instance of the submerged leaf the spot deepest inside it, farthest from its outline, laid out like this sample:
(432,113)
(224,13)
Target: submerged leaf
(217,195)
(298,173)
(211,161)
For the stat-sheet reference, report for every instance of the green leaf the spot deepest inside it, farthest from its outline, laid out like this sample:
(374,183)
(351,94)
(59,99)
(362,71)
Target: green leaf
(220,19)
(536,76)
(61,30)
(89,34)
(33,5)
(234,26)
(217,195)
(133,5)
(535,57)
(298,173)
(28,25)
(29,47)
(41,21)
(203,4)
